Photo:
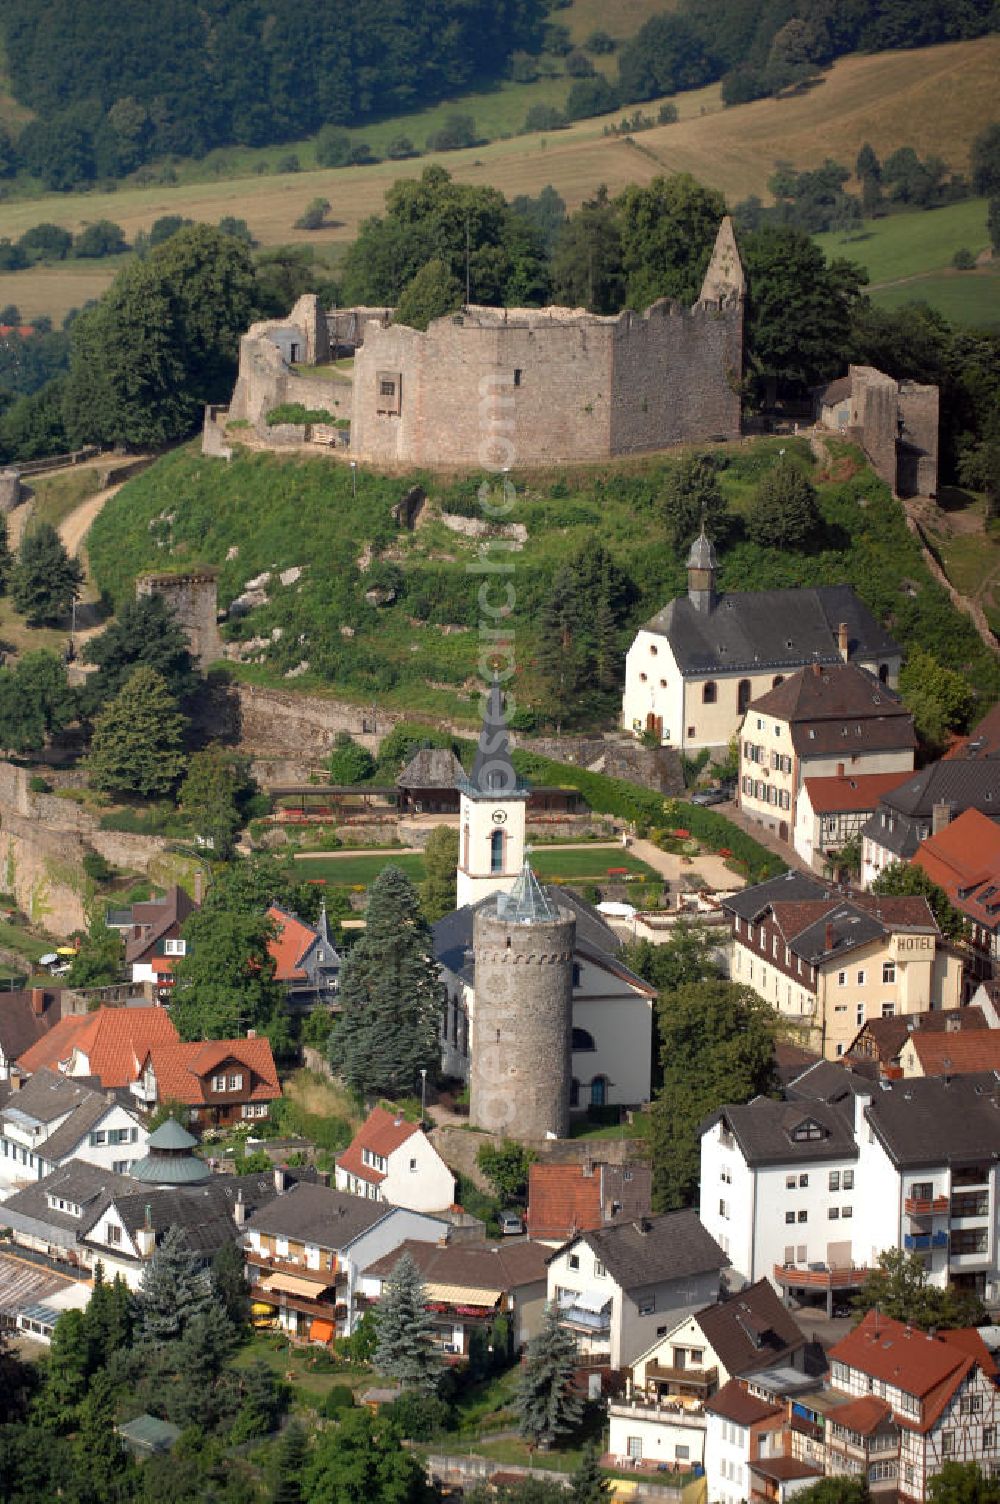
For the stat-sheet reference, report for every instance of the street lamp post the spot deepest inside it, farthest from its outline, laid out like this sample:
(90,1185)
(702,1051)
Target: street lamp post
(354,478)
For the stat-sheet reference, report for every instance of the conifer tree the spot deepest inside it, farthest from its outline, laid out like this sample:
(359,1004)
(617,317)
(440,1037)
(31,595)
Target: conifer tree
(138,738)
(173,1290)
(45,580)
(289,1463)
(589,1484)
(390,995)
(547,1403)
(403,1350)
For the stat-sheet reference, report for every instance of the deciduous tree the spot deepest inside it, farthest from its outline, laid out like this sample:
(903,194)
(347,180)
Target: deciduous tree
(506,1167)
(430,294)
(211,794)
(224,983)
(716,1046)
(35,702)
(437,891)
(784,511)
(362,1459)
(903,879)
(98,962)
(941,700)
(692,499)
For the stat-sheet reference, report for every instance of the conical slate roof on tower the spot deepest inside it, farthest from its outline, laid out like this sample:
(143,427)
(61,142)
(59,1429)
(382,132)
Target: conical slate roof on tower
(527,902)
(169,1160)
(493,771)
(702,554)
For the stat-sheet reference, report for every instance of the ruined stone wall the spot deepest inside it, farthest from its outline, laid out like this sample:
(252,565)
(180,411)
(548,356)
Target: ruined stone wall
(873,419)
(676,375)
(193,601)
(919,410)
(10,489)
(265,381)
(538,386)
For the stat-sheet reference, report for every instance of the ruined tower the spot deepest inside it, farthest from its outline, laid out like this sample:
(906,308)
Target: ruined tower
(192,600)
(491,812)
(521,1050)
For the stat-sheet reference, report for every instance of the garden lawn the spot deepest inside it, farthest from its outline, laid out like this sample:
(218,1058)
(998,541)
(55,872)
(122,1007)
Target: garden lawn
(356,871)
(293,1363)
(589,866)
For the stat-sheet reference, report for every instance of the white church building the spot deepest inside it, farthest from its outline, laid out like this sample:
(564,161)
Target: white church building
(612,1043)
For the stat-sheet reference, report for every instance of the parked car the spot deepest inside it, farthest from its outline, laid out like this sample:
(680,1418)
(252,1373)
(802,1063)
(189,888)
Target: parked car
(511,1224)
(717,794)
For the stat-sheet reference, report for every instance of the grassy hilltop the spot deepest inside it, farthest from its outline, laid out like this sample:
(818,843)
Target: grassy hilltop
(418,651)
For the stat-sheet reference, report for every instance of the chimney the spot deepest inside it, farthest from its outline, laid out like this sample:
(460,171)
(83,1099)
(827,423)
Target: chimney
(251,1033)
(146,1237)
(828,938)
(840,770)
(941,816)
(199,885)
(38,1001)
(240,1210)
(843,647)
(280,1179)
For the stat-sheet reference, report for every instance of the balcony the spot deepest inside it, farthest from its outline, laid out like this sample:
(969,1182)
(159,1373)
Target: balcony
(819,1277)
(307,1305)
(276,1265)
(925,1206)
(664,1412)
(924,1242)
(688,1378)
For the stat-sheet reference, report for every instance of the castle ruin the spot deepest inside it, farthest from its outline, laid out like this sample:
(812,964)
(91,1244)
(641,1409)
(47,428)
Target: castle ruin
(495,387)
(192,600)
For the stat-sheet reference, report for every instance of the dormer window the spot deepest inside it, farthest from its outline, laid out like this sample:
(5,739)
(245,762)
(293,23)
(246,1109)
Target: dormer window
(808,1131)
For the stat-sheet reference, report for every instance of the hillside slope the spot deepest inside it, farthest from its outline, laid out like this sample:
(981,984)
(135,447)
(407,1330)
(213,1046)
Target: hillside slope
(414,643)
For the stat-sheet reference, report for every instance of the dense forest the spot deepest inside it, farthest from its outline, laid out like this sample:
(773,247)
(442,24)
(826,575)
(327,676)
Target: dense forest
(111,91)
(157,76)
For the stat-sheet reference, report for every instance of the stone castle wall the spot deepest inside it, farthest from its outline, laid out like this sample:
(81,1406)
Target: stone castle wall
(896,423)
(538,386)
(193,601)
(521,1064)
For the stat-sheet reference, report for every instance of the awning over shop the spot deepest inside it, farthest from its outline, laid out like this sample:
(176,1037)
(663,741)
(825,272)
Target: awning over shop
(466,1295)
(321,1331)
(294,1284)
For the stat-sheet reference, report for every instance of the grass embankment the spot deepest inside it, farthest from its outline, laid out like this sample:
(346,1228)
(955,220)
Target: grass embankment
(935,99)
(419,652)
(908,258)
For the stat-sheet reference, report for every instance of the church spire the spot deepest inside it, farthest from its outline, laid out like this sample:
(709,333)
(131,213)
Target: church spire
(701,567)
(493,771)
(492,811)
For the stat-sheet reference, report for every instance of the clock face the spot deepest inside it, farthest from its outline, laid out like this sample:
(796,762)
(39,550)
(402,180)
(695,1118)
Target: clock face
(499,817)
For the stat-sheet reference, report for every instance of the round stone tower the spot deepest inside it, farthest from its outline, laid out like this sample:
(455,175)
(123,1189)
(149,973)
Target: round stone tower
(523,1013)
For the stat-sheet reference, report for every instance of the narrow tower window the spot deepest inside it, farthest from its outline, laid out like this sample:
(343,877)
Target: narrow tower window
(496,852)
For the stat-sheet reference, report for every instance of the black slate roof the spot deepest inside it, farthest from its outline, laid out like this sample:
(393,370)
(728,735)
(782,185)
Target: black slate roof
(493,772)
(780,629)
(316,1214)
(653,1249)
(789,887)
(904,815)
(764,1130)
(88,1186)
(933,1120)
(595,940)
(202,1212)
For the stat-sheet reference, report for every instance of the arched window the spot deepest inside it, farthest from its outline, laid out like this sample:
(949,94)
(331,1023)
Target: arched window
(709,693)
(583,1040)
(743,694)
(778,679)
(599,1091)
(496,851)
(574,1093)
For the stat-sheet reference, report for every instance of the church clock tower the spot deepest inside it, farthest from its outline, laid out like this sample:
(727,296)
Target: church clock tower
(491,813)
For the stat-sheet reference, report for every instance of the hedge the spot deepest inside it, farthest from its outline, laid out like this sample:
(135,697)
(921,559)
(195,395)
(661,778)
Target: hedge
(629,801)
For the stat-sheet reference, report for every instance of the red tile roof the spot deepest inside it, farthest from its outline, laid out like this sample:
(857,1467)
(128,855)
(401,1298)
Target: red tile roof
(863,1415)
(916,1362)
(181,1069)
(964,860)
(967,1340)
(115,1041)
(562,1200)
(733,1402)
(382,1132)
(833,796)
(289,945)
(957,1054)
